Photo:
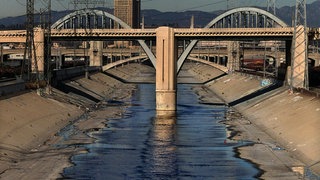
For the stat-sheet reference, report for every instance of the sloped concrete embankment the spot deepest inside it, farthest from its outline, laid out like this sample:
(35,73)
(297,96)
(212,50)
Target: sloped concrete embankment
(29,124)
(27,121)
(291,119)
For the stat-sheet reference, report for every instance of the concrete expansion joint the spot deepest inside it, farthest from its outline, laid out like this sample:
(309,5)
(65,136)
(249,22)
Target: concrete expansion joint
(166,91)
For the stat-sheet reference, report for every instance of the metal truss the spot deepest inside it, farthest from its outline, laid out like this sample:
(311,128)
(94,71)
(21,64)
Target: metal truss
(271,6)
(29,51)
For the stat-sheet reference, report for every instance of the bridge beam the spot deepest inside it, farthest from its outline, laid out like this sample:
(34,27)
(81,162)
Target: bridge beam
(166,70)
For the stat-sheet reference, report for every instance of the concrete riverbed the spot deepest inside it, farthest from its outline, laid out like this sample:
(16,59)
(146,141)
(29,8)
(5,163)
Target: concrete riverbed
(282,125)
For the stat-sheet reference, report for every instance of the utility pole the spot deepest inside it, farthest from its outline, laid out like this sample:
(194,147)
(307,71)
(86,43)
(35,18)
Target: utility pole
(88,3)
(271,6)
(45,21)
(47,45)
(1,53)
(30,43)
(227,5)
(299,63)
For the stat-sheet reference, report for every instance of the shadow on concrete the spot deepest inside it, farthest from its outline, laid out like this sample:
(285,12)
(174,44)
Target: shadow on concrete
(68,89)
(273,86)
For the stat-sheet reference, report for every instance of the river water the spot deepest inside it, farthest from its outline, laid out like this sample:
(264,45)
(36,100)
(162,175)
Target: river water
(143,145)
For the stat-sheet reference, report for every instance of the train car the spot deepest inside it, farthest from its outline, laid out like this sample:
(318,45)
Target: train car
(256,63)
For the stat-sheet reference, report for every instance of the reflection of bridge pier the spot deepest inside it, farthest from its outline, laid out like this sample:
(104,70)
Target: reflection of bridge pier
(163,142)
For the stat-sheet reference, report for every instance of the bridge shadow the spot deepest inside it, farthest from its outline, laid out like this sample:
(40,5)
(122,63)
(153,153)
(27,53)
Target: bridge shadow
(115,77)
(62,86)
(257,93)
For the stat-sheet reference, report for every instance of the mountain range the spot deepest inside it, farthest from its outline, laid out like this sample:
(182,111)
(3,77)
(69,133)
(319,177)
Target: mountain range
(155,18)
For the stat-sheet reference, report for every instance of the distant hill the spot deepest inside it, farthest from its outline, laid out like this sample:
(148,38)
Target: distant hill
(155,18)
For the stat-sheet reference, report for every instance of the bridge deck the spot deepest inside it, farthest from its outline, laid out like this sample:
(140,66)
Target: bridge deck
(196,33)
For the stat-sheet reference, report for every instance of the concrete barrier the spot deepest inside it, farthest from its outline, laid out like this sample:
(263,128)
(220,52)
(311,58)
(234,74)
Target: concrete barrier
(64,74)
(11,87)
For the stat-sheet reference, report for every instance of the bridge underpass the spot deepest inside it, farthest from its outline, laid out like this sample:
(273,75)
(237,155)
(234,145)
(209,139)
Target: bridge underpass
(110,55)
(120,62)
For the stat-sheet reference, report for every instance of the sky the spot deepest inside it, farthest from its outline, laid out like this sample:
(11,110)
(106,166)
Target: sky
(17,7)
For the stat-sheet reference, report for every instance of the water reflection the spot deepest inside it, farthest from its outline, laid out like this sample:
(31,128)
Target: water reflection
(144,144)
(162,146)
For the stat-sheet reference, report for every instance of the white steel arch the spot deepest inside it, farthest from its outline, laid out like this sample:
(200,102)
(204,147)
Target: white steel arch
(276,22)
(90,12)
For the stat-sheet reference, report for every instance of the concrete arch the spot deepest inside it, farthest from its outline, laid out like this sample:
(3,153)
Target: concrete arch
(59,24)
(217,66)
(120,62)
(192,44)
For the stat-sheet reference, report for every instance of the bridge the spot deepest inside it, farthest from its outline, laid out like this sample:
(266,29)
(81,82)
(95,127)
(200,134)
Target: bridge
(235,25)
(111,65)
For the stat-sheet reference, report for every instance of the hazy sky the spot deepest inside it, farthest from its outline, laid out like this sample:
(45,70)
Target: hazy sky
(17,7)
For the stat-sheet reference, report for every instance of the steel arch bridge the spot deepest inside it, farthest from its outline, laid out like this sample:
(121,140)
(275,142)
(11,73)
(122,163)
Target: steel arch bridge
(97,19)
(244,17)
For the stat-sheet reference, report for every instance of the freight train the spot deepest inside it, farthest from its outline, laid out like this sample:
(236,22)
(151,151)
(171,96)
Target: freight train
(257,63)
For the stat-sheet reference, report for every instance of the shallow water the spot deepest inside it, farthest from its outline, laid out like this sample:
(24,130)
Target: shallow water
(187,145)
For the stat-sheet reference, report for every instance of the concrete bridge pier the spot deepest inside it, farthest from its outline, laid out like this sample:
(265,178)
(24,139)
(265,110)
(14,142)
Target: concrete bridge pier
(166,70)
(233,49)
(37,62)
(95,53)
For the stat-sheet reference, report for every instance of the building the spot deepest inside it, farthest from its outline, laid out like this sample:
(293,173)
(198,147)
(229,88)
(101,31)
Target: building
(128,11)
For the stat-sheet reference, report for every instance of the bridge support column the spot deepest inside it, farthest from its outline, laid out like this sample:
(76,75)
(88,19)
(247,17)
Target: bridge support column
(233,56)
(299,72)
(37,63)
(166,70)
(95,53)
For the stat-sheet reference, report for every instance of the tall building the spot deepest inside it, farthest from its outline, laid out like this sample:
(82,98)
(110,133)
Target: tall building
(128,11)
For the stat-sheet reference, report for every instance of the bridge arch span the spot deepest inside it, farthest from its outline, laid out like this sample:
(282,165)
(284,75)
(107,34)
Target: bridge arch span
(143,58)
(124,61)
(217,66)
(82,18)
(244,17)
(90,18)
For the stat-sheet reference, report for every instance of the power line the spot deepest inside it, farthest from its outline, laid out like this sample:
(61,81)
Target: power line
(21,3)
(62,5)
(87,3)
(205,5)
